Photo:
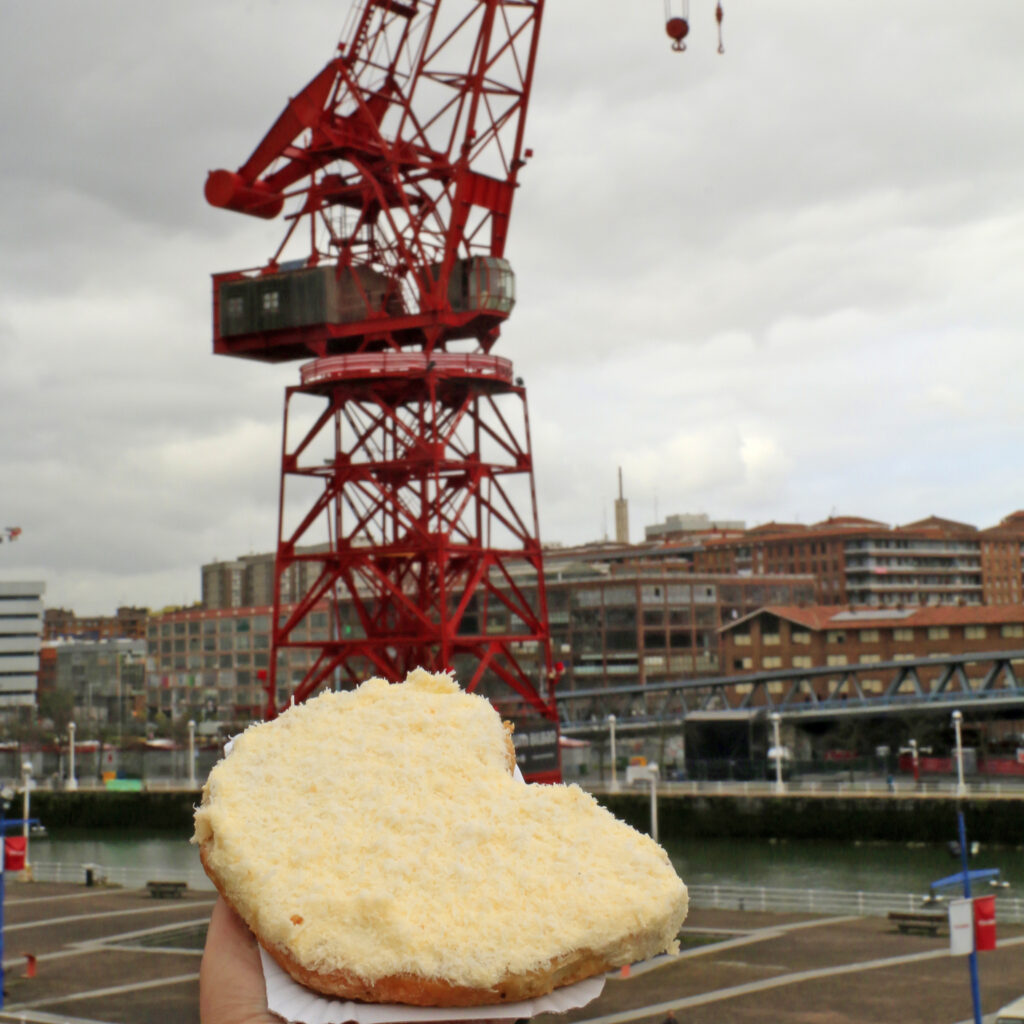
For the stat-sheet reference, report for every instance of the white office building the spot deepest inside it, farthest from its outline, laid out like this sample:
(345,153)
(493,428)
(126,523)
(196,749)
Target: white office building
(21,629)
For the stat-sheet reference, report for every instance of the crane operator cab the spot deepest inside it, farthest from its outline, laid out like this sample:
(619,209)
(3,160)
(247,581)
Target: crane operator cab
(284,314)
(482,284)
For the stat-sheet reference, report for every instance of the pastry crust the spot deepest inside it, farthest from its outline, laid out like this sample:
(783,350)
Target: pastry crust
(342,978)
(413,990)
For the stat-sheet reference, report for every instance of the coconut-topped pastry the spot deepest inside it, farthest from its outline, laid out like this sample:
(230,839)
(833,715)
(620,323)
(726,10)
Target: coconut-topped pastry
(379,847)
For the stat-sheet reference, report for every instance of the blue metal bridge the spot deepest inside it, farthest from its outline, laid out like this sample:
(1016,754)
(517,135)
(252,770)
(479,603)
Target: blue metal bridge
(990,682)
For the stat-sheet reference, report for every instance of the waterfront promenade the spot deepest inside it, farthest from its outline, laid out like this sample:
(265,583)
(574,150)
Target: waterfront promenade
(118,956)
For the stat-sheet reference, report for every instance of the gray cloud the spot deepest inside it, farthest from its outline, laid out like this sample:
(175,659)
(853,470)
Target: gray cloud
(768,284)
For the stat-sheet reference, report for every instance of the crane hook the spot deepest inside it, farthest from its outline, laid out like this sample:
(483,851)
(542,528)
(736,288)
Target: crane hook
(677,29)
(677,25)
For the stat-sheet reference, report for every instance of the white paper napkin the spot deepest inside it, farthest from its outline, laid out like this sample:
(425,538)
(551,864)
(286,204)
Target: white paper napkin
(301,1005)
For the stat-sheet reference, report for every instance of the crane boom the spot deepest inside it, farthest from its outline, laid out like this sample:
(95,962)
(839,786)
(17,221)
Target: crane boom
(401,157)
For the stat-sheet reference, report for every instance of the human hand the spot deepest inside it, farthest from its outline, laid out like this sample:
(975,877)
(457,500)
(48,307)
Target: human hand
(231,985)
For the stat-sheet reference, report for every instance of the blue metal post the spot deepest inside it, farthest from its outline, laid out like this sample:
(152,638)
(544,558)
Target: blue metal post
(3,875)
(973,958)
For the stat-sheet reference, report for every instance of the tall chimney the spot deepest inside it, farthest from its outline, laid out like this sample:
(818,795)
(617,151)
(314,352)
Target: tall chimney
(621,516)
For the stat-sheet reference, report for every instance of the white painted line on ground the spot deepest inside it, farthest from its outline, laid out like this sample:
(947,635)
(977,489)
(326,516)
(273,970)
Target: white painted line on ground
(139,933)
(744,939)
(101,914)
(117,942)
(795,978)
(39,1017)
(112,990)
(53,899)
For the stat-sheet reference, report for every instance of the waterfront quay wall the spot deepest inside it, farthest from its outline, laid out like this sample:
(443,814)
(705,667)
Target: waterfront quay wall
(926,818)
(878,817)
(101,808)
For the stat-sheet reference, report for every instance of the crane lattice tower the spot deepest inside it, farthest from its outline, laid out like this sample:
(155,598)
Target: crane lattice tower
(407,506)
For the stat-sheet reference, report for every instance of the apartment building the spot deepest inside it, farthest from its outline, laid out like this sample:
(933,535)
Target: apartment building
(210,664)
(248,581)
(863,562)
(21,623)
(793,637)
(104,678)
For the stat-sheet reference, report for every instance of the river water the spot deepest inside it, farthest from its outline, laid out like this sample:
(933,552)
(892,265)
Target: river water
(868,867)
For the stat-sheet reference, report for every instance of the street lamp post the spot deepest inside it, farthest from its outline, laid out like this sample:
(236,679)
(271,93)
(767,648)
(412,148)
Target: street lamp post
(957,720)
(26,781)
(615,778)
(775,720)
(72,781)
(191,754)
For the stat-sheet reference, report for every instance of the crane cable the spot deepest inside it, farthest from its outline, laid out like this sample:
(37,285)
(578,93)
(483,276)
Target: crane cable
(677,26)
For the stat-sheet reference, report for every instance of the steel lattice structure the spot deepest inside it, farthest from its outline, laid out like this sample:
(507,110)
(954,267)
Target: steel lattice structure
(407,494)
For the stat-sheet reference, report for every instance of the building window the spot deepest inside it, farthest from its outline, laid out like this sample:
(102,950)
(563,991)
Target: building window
(870,659)
(905,636)
(836,659)
(1014,629)
(938,632)
(975,632)
(770,639)
(800,637)
(802,661)
(741,639)
(835,636)
(773,662)
(869,636)
(270,302)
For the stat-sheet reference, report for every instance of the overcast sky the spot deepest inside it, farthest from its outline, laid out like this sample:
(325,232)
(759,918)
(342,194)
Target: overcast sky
(775,284)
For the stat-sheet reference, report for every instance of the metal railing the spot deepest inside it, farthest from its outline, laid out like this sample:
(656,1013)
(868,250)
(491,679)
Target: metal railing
(1009,909)
(766,787)
(129,877)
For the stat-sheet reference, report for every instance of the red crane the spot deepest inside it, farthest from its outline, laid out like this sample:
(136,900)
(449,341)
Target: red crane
(407,503)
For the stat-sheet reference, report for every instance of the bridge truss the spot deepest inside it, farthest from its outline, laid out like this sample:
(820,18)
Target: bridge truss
(992,681)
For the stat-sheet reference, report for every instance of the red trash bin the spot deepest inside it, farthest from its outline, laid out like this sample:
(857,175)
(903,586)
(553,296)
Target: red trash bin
(14,853)
(984,923)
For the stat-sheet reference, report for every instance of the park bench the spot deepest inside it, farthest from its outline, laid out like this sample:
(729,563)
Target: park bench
(169,890)
(908,922)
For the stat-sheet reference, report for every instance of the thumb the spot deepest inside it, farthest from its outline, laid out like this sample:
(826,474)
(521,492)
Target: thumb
(231,985)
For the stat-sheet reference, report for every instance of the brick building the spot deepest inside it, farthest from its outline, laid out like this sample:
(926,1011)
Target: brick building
(618,614)
(793,637)
(858,561)
(128,623)
(640,622)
